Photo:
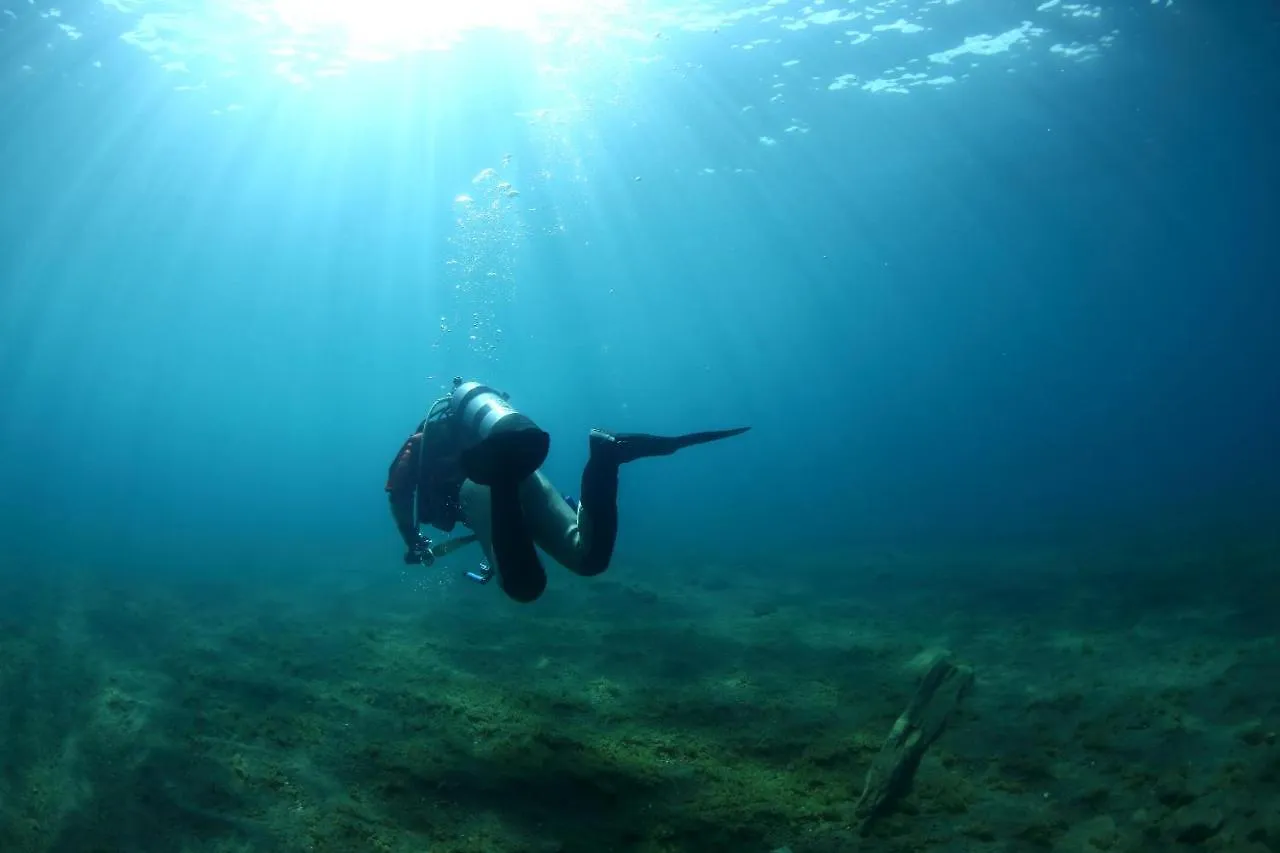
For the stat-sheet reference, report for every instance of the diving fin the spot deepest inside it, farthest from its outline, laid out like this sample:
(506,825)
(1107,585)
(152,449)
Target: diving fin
(506,456)
(520,572)
(628,446)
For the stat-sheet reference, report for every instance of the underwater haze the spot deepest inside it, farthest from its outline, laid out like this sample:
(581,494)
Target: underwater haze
(993,282)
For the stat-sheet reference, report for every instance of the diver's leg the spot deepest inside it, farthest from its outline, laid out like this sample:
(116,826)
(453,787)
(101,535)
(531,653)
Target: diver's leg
(473,500)
(534,511)
(495,515)
(556,527)
(598,515)
(598,512)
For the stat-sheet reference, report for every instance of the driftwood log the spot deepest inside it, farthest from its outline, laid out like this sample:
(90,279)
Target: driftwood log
(893,768)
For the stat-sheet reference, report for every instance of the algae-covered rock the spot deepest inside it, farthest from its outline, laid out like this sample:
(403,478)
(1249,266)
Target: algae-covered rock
(1041,831)
(1091,836)
(1260,828)
(1194,824)
(1256,734)
(1175,790)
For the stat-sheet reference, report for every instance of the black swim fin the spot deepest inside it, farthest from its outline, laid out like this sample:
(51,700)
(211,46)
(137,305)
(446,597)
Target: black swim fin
(506,456)
(520,572)
(628,446)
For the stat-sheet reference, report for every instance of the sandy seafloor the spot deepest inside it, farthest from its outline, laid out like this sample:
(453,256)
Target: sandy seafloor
(1123,701)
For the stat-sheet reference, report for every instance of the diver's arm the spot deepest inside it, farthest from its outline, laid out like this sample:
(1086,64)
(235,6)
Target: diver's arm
(402,481)
(402,513)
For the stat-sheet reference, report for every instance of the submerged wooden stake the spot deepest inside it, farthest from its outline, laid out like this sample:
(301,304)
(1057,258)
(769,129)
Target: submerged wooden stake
(893,768)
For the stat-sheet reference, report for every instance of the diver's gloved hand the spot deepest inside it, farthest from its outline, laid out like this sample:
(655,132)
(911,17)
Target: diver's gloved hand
(420,552)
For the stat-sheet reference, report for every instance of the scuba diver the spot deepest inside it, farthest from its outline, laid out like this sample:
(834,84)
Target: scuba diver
(474,459)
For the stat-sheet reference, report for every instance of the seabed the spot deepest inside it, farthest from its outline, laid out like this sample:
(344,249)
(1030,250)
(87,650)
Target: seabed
(1120,703)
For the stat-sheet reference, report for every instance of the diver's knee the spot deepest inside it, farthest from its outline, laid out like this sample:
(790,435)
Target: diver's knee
(590,566)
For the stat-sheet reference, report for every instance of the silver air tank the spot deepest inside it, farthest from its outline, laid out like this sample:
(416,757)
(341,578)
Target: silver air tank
(498,443)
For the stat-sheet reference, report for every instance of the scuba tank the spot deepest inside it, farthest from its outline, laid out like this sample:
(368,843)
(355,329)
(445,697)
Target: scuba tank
(500,446)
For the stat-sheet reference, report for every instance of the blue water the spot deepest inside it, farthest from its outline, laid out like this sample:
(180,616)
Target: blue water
(1033,301)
